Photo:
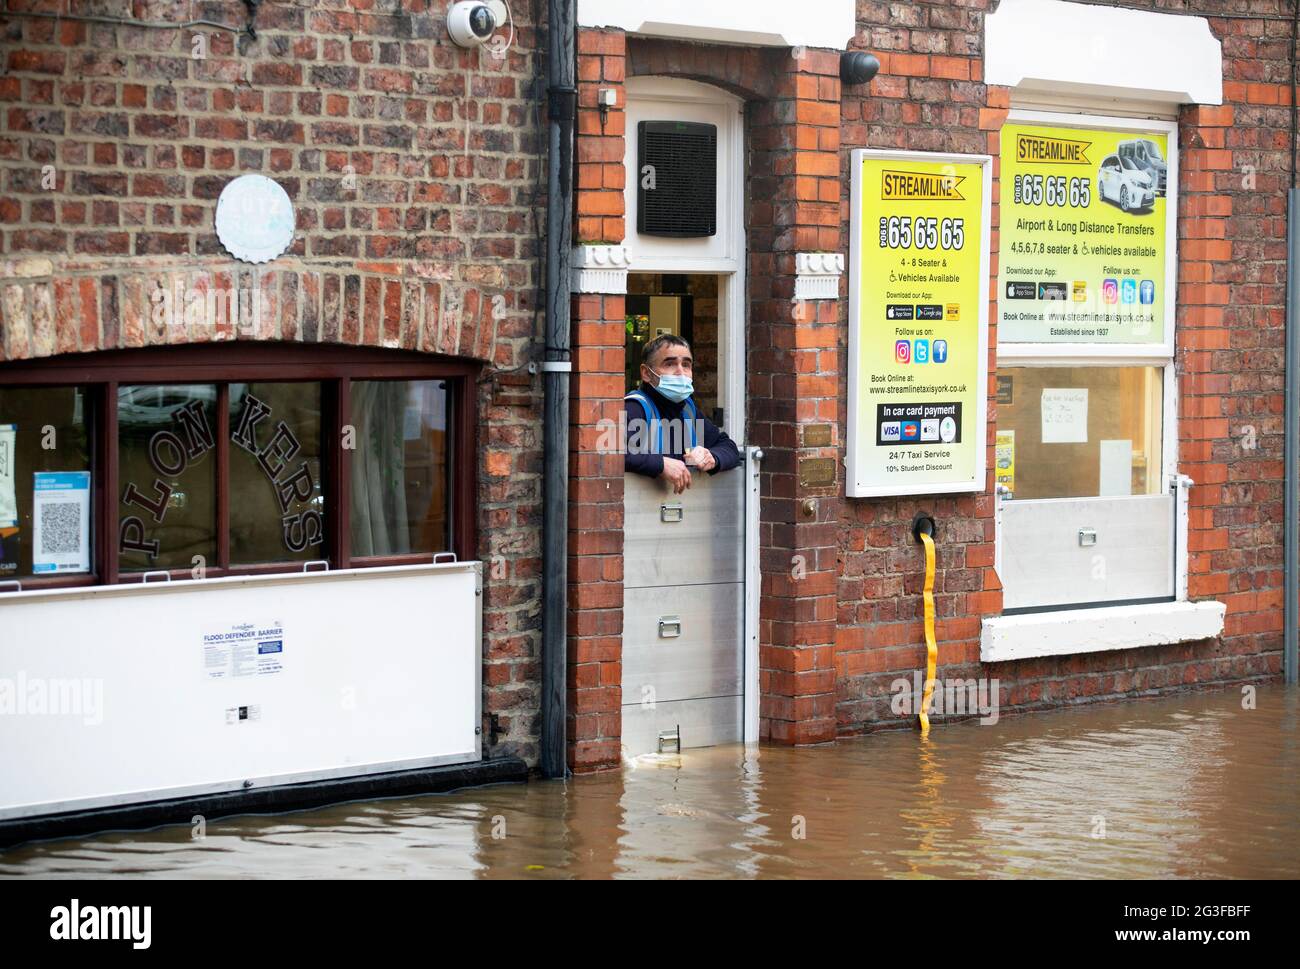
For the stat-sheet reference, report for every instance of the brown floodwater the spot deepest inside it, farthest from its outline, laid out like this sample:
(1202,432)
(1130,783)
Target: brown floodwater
(1190,786)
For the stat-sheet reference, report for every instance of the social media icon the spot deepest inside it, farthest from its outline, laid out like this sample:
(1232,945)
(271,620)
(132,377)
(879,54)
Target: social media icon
(911,431)
(922,352)
(1109,291)
(940,351)
(1129,291)
(930,430)
(902,351)
(1147,292)
(889,431)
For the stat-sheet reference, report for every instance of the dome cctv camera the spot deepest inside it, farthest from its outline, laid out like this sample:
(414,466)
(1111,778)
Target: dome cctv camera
(472,22)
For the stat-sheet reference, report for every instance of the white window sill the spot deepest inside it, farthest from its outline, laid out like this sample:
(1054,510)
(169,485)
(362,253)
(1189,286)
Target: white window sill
(1070,631)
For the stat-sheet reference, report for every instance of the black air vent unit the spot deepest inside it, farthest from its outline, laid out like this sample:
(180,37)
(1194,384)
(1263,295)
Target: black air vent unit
(683,170)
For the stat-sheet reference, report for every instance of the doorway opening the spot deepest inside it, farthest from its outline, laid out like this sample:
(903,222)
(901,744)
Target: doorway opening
(688,592)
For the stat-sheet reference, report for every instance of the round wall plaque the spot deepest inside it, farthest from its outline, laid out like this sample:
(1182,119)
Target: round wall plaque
(254,218)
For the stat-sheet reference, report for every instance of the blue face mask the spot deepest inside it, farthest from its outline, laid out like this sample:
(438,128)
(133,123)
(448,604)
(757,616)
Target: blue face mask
(676,388)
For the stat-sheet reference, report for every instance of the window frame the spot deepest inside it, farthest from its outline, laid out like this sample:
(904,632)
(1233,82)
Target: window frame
(1119,354)
(333,366)
(1159,355)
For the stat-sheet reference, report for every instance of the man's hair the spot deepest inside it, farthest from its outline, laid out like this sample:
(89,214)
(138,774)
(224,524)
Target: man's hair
(658,343)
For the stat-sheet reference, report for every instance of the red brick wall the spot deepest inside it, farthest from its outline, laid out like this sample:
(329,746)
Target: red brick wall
(413,167)
(929,95)
(595,672)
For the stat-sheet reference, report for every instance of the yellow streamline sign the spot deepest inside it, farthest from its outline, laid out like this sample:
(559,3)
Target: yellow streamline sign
(921,186)
(1033,149)
(1083,234)
(918,333)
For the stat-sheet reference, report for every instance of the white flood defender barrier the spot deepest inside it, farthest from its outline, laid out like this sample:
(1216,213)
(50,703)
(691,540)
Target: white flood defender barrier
(690,610)
(129,694)
(1064,551)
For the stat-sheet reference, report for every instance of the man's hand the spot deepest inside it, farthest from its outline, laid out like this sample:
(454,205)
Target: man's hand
(701,457)
(677,474)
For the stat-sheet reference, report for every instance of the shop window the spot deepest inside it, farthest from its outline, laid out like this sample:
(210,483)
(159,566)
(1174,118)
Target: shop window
(399,470)
(166,440)
(277,489)
(45,481)
(1084,450)
(1079,432)
(235,464)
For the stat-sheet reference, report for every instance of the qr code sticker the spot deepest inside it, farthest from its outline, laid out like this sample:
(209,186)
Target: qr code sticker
(60,528)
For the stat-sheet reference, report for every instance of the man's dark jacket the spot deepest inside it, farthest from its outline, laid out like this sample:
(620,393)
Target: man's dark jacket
(652,465)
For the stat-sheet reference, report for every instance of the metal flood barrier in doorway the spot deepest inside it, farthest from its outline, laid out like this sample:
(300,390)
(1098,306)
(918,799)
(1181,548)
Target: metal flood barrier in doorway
(685,610)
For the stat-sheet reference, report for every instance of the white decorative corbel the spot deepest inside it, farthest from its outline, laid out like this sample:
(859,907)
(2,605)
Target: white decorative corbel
(599,269)
(818,275)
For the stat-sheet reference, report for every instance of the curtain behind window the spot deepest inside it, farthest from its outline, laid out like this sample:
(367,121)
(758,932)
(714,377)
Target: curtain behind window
(379,514)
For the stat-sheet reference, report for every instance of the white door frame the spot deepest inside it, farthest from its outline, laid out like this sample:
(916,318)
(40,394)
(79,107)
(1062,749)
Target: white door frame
(722,255)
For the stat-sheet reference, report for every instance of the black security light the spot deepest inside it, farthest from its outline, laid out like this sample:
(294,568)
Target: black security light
(858,67)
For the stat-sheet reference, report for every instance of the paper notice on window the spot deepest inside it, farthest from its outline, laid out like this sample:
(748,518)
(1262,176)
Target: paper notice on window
(60,522)
(8,476)
(235,650)
(1065,415)
(1116,472)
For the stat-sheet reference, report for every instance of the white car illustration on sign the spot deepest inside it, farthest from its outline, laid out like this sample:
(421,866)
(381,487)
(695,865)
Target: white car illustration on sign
(1145,153)
(1121,180)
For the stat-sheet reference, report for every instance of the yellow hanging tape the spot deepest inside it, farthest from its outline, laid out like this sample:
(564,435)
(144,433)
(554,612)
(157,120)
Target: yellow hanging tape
(931,650)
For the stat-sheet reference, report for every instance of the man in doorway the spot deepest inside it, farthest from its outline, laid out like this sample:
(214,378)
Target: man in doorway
(667,434)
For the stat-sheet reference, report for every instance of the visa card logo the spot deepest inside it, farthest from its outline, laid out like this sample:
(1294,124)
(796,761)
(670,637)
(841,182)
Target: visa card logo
(902,351)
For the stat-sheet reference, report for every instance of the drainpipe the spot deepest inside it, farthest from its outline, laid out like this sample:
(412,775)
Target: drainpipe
(561,110)
(1291,433)
(1291,572)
